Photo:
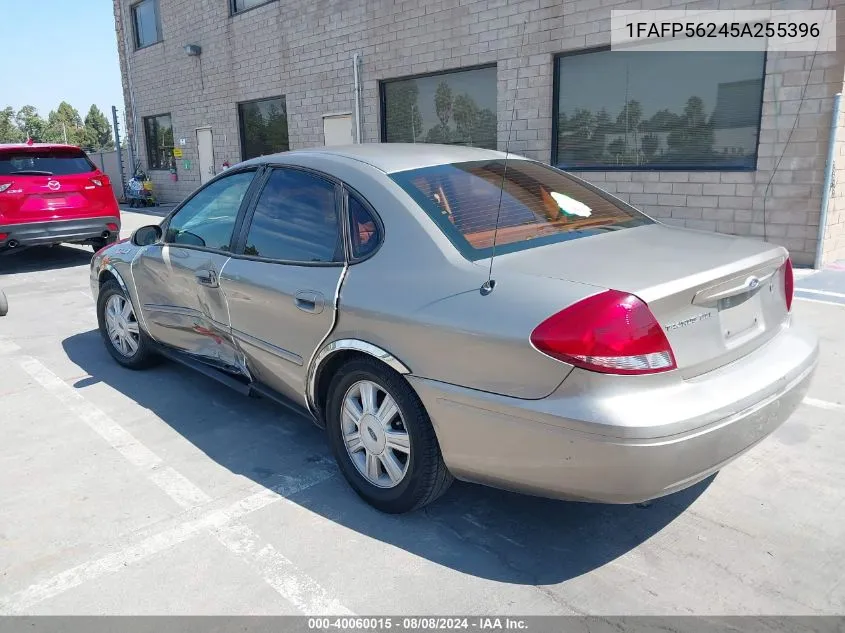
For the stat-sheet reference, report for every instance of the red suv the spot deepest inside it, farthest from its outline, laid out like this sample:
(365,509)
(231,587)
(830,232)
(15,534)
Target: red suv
(51,194)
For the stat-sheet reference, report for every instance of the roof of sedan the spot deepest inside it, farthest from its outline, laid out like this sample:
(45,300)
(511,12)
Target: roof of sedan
(395,157)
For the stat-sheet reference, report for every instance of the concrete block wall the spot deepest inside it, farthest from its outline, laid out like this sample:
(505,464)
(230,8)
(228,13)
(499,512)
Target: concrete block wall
(303,49)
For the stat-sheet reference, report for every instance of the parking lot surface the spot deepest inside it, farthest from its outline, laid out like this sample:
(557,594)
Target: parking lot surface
(161,492)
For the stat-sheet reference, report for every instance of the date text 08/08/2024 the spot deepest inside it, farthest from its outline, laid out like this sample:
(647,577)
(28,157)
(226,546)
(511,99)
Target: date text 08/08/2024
(417,623)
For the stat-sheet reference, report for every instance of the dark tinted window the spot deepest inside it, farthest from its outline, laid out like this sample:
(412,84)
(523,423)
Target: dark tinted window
(652,110)
(539,205)
(145,17)
(295,219)
(364,230)
(48,162)
(243,5)
(457,108)
(158,136)
(264,127)
(208,218)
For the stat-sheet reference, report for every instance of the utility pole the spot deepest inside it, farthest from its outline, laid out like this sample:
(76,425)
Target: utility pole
(117,148)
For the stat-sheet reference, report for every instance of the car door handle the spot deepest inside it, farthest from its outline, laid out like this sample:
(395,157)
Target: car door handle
(207,278)
(309,301)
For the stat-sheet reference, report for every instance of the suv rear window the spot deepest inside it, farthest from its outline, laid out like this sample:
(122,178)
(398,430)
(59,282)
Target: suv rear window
(539,205)
(46,162)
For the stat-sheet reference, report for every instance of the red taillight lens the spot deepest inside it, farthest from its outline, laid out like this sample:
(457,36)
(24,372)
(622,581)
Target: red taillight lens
(611,332)
(788,283)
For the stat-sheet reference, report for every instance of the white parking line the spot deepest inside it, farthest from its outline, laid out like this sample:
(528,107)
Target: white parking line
(826,293)
(299,589)
(824,404)
(280,573)
(119,438)
(21,601)
(829,303)
(179,488)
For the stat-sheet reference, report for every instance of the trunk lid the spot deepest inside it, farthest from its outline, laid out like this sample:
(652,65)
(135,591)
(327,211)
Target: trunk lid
(51,183)
(717,297)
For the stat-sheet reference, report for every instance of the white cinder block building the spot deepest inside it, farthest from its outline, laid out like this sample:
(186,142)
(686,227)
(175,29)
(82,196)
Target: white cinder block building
(690,138)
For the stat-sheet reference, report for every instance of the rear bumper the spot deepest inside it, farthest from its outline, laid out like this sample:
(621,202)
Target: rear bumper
(630,447)
(57,231)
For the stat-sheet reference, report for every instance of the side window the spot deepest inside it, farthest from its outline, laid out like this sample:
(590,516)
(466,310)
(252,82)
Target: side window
(208,218)
(364,230)
(296,220)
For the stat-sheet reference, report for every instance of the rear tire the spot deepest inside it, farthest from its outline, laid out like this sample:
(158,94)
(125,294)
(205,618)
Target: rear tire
(4,304)
(138,356)
(100,242)
(424,476)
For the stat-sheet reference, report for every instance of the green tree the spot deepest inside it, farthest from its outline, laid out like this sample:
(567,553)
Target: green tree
(9,131)
(403,120)
(649,145)
(466,118)
(443,103)
(692,141)
(30,123)
(97,131)
(65,121)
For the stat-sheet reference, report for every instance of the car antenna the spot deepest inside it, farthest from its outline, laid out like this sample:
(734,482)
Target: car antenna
(487,286)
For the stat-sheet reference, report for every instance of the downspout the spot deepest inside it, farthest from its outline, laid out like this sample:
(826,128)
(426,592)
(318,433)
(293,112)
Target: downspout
(356,61)
(828,179)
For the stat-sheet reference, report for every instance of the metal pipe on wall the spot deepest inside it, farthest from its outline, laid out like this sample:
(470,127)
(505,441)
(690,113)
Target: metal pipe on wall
(828,178)
(356,61)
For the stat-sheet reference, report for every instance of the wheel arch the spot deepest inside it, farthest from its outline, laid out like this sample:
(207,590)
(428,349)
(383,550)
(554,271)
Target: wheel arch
(107,273)
(333,355)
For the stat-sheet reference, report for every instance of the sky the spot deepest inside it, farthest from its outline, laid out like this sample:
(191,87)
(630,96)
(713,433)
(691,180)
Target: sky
(59,50)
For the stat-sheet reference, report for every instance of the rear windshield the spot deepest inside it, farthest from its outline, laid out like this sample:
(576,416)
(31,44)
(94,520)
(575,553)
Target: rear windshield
(539,205)
(47,162)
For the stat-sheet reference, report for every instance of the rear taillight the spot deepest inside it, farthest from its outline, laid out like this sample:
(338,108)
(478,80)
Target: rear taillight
(5,186)
(788,283)
(611,332)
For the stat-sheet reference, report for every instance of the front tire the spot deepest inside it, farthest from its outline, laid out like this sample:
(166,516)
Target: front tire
(382,438)
(128,344)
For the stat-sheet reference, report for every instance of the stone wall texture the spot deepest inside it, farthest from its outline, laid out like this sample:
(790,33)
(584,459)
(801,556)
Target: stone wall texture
(303,49)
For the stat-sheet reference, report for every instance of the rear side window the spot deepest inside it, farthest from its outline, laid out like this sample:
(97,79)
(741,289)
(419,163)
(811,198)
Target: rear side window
(295,220)
(539,205)
(48,162)
(363,229)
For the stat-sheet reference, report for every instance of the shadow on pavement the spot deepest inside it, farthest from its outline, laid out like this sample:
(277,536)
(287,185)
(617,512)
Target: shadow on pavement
(36,258)
(476,530)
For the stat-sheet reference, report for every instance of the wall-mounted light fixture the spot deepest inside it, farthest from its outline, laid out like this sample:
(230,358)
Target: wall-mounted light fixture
(193,50)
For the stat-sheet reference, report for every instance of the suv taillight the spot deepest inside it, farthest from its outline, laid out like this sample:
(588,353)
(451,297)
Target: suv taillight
(611,332)
(788,283)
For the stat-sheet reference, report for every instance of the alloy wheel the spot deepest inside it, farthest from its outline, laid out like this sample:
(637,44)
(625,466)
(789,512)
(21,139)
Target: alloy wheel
(374,434)
(122,326)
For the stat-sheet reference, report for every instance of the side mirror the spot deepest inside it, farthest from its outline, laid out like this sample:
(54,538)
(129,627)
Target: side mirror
(147,235)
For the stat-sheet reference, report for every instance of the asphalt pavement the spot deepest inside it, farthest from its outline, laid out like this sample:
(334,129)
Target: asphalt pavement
(161,492)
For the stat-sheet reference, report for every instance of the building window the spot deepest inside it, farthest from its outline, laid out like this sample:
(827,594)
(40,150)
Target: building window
(158,135)
(651,111)
(146,23)
(264,127)
(243,5)
(458,108)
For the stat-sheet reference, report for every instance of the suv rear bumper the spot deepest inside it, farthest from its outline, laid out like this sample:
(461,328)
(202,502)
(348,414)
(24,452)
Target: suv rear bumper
(57,231)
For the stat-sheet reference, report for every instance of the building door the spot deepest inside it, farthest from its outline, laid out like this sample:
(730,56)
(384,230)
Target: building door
(205,153)
(337,129)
